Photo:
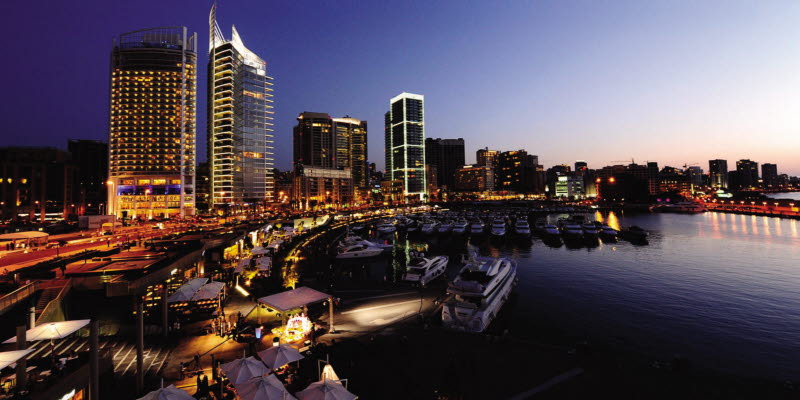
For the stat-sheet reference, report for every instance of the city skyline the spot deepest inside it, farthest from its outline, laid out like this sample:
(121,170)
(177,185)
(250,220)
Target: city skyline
(718,78)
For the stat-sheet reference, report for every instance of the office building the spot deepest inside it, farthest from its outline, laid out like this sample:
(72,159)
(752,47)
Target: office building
(240,112)
(718,173)
(569,186)
(695,175)
(405,143)
(747,174)
(351,149)
(769,175)
(516,172)
(90,157)
(474,178)
(37,184)
(581,166)
(152,124)
(447,155)
(486,157)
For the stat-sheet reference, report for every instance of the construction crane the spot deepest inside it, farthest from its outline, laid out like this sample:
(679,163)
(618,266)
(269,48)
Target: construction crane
(624,161)
(689,165)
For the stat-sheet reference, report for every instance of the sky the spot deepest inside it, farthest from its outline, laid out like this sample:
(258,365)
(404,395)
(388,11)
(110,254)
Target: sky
(678,82)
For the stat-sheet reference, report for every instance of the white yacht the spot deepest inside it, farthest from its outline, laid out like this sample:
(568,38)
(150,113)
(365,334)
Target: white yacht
(572,231)
(476,227)
(498,227)
(480,290)
(683,207)
(590,231)
(351,240)
(358,251)
(423,270)
(445,227)
(430,227)
(386,227)
(460,226)
(550,230)
(608,233)
(522,228)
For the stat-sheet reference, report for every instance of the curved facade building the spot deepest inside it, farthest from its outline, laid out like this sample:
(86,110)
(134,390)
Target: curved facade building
(152,124)
(240,109)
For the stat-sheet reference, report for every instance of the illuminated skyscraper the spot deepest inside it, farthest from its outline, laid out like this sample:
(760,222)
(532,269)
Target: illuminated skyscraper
(152,124)
(351,148)
(240,109)
(718,173)
(405,143)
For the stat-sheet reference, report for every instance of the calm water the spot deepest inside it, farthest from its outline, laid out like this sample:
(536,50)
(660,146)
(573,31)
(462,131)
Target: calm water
(720,289)
(786,195)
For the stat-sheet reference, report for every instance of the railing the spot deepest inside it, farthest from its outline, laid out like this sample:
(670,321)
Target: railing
(10,300)
(54,311)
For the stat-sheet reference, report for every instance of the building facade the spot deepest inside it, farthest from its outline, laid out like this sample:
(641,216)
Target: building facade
(240,113)
(569,186)
(516,172)
(152,124)
(447,155)
(474,178)
(351,149)
(718,173)
(405,143)
(37,184)
(769,175)
(90,157)
(747,173)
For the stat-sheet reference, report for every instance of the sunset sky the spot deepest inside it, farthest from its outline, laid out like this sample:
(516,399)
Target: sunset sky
(678,82)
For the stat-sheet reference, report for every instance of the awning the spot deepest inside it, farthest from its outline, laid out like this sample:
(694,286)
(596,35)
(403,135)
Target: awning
(292,299)
(52,330)
(241,264)
(259,251)
(187,290)
(262,263)
(24,235)
(9,357)
(208,291)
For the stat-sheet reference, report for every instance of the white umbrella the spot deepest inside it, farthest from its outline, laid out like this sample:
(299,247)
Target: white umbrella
(52,330)
(266,387)
(241,370)
(276,357)
(241,264)
(208,291)
(168,393)
(9,357)
(328,373)
(187,290)
(326,390)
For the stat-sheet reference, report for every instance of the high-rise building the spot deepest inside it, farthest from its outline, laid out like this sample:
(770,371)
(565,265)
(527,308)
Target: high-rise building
(718,173)
(486,157)
(240,110)
(748,173)
(405,143)
(351,148)
(769,174)
(152,124)
(581,166)
(38,184)
(447,155)
(516,172)
(474,178)
(91,159)
(695,175)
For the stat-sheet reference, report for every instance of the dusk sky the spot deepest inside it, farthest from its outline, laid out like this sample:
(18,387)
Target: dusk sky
(674,81)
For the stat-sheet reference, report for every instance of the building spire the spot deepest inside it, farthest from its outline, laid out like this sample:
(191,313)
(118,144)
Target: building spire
(215,37)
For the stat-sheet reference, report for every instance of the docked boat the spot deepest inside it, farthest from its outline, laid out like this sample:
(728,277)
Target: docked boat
(476,227)
(498,228)
(608,233)
(358,227)
(445,227)
(412,226)
(430,227)
(522,228)
(572,231)
(684,207)
(481,288)
(460,226)
(590,231)
(550,230)
(351,240)
(424,270)
(386,227)
(358,251)
(634,233)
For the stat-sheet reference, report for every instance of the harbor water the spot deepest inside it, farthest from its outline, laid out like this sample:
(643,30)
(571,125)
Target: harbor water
(721,290)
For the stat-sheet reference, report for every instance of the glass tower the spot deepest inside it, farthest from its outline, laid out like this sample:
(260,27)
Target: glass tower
(405,143)
(152,124)
(351,148)
(240,110)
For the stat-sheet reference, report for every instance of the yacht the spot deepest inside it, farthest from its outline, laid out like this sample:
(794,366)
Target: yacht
(445,227)
(634,233)
(572,231)
(423,270)
(498,227)
(476,227)
(481,288)
(386,227)
(358,251)
(358,227)
(686,207)
(412,225)
(608,233)
(522,228)
(460,226)
(430,227)
(351,240)
(590,231)
(550,230)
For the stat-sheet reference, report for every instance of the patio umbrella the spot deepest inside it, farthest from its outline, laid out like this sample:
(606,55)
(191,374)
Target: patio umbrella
(9,357)
(266,387)
(187,290)
(168,393)
(241,370)
(328,373)
(326,390)
(52,330)
(276,357)
(208,291)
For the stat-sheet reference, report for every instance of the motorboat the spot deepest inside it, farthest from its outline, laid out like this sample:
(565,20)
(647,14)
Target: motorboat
(572,231)
(550,230)
(498,228)
(685,207)
(358,227)
(445,227)
(351,240)
(386,227)
(480,289)
(608,233)
(476,227)
(634,233)
(412,226)
(590,231)
(522,228)
(423,270)
(460,226)
(430,227)
(358,251)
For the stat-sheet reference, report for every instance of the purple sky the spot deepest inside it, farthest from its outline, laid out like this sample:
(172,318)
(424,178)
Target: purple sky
(674,82)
